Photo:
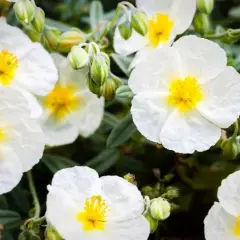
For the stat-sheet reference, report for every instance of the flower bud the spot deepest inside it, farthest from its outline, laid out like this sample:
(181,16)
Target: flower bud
(160,208)
(39,20)
(24,10)
(130,178)
(205,6)
(108,89)
(124,92)
(92,49)
(50,38)
(231,148)
(69,39)
(78,57)
(93,87)
(172,192)
(140,22)
(52,234)
(99,69)
(202,23)
(125,30)
(152,222)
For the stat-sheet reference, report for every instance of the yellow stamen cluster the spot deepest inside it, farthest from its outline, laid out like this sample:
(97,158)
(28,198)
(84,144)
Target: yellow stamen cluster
(160,28)
(94,216)
(236,229)
(185,94)
(8,67)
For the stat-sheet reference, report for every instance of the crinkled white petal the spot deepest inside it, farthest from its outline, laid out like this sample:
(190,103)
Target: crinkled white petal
(149,112)
(123,198)
(221,101)
(27,140)
(189,132)
(13,39)
(155,72)
(151,7)
(10,170)
(89,115)
(182,13)
(219,224)
(126,47)
(201,58)
(36,72)
(77,182)
(229,194)
(133,229)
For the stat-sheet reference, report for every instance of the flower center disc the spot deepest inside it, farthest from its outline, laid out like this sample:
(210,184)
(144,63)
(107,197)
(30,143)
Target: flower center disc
(160,28)
(185,94)
(61,101)
(8,67)
(94,215)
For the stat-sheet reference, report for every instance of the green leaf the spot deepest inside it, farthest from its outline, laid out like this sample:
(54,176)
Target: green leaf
(122,62)
(104,161)
(9,217)
(55,163)
(235,12)
(57,24)
(122,132)
(96,14)
(7,236)
(3,202)
(110,119)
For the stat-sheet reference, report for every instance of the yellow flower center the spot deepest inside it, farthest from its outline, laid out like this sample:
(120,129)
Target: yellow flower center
(185,94)
(94,216)
(2,134)
(236,229)
(62,101)
(160,28)
(8,67)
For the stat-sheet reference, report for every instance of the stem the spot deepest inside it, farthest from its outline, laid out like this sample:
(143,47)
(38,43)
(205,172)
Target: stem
(236,130)
(34,194)
(224,34)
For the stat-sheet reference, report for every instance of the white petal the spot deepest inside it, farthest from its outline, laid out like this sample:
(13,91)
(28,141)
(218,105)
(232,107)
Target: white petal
(229,194)
(151,7)
(137,228)
(182,13)
(149,113)
(10,170)
(221,102)
(201,58)
(189,132)
(86,119)
(57,135)
(13,39)
(28,142)
(37,72)
(124,199)
(156,71)
(35,107)
(219,224)
(77,182)
(127,47)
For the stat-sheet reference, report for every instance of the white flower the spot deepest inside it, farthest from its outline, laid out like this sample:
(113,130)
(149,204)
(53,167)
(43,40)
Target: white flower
(70,109)
(185,94)
(167,19)
(80,205)
(21,138)
(25,65)
(223,219)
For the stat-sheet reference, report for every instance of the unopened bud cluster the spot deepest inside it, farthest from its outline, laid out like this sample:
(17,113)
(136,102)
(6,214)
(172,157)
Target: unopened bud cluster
(136,20)
(100,79)
(205,6)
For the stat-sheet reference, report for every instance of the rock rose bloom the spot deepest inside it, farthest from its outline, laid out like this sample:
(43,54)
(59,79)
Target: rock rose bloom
(70,109)
(80,205)
(21,138)
(166,20)
(25,65)
(185,94)
(223,219)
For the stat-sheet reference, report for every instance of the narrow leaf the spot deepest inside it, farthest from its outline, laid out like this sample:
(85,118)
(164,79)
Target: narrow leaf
(7,217)
(123,63)
(96,14)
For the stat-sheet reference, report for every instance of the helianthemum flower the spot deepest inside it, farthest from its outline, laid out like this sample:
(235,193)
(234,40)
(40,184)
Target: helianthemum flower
(70,108)
(185,94)
(223,219)
(22,140)
(166,20)
(80,205)
(25,65)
